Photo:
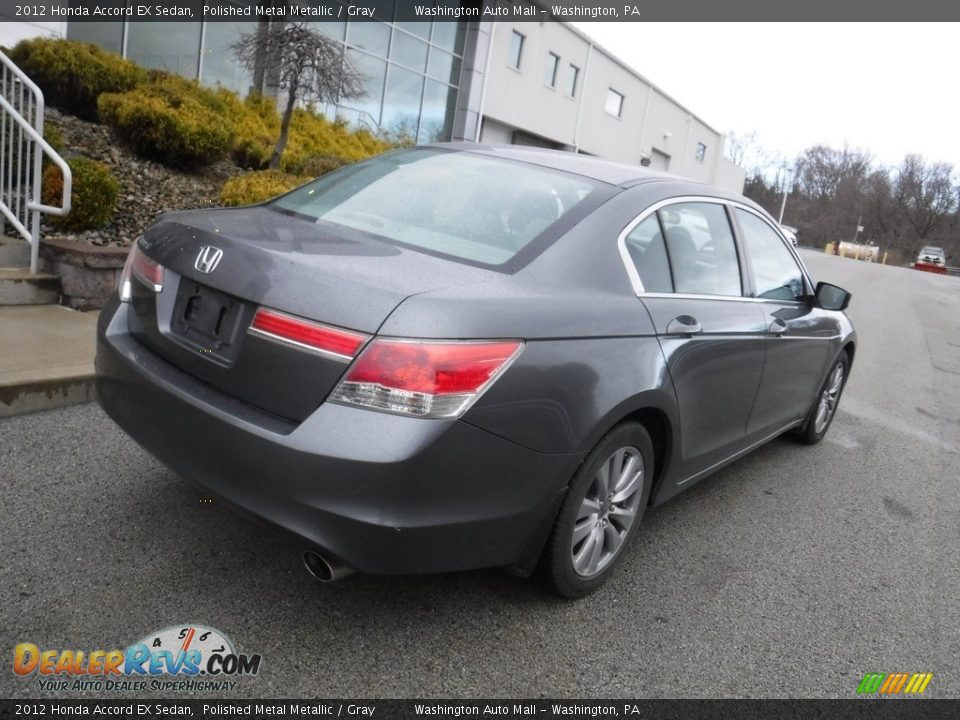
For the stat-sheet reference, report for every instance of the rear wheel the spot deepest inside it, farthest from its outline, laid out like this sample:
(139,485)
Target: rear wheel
(602,510)
(825,406)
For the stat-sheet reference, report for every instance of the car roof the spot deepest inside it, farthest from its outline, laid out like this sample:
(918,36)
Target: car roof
(612,173)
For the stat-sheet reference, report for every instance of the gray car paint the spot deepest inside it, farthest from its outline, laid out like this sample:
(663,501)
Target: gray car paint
(595,354)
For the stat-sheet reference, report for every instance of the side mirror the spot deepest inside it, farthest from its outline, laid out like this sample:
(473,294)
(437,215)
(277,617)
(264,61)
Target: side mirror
(832,297)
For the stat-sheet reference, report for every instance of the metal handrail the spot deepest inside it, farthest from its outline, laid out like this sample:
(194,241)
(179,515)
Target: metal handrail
(21,188)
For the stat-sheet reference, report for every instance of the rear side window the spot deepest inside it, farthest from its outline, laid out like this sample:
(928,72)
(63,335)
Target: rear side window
(470,207)
(701,249)
(776,274)
(648,252)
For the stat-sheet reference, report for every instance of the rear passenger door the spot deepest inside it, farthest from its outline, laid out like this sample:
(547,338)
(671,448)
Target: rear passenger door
(689,278)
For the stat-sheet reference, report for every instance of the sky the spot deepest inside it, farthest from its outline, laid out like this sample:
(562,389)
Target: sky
(890,89)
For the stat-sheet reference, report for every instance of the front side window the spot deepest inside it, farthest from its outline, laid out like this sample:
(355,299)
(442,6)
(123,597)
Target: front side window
(516,49)
(648,251)
(776,275)
(550,72)
(701,248)
(614,104)
(463,206)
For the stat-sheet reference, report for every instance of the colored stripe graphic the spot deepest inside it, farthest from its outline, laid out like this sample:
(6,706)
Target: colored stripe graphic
(927,677)
(889,683)
(894,683)
(870,683)
(898,685)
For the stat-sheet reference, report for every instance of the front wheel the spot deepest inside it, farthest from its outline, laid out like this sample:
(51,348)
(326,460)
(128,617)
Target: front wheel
(825,406)
(603,507)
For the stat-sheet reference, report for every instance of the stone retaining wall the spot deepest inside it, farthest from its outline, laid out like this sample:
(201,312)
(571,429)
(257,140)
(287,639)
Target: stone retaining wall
(88,273)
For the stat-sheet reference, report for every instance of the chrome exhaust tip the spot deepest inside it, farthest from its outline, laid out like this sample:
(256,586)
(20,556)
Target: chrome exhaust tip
(324,569)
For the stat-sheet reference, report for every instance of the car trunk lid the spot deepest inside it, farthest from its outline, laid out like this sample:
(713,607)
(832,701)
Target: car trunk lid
(221,266)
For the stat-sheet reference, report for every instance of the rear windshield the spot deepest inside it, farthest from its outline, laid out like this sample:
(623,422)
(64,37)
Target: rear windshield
(475,208)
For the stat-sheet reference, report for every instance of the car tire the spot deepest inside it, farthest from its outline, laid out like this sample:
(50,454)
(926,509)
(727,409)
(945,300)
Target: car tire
(593,528)
(827,400)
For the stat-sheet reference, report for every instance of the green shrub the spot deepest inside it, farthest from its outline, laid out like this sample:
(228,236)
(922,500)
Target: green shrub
(313,135)
(72,74)
(94,196)
(257,186)
(172,120)
(322,164)
(257,126)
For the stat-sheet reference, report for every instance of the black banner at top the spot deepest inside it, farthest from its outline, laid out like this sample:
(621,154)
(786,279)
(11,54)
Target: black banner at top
(473,10)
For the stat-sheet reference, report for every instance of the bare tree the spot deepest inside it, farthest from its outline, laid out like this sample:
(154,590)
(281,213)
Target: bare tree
(900,208)
(744,149)
(308,65)
(879,211)
(925,195)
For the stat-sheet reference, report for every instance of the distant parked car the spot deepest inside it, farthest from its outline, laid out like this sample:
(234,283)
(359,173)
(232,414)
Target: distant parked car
(932,255)
(464,356)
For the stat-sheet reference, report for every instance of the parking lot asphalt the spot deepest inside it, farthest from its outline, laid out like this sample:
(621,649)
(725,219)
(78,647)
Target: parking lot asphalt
(789,574)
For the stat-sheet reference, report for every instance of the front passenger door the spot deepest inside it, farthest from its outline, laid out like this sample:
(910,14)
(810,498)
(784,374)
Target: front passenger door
(798,333)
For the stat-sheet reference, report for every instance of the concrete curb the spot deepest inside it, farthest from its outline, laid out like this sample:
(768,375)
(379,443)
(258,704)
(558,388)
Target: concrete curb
(47,358)
(47,394)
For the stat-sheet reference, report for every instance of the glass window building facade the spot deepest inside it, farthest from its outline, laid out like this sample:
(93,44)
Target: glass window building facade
(412,69)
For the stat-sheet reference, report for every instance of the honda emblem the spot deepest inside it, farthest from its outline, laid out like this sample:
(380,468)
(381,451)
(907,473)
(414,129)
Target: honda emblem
(208,259)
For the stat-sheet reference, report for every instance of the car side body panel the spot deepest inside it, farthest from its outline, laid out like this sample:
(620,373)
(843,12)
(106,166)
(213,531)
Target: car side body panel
(559,392)
(716,373)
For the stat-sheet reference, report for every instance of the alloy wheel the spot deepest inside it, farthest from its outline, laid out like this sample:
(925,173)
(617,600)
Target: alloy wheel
(607,511)
(828,399)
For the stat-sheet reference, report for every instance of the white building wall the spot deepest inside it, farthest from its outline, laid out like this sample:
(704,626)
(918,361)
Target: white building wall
(601,133)
(651,124)
(729,176)
(520,97)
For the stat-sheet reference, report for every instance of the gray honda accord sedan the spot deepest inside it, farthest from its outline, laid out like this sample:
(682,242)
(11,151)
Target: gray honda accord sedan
(464,356)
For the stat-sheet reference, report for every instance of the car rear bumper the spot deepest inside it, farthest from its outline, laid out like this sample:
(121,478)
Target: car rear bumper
(380,493)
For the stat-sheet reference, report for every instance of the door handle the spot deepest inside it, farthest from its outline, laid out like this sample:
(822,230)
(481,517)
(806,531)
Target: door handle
(684,325)
(777,327)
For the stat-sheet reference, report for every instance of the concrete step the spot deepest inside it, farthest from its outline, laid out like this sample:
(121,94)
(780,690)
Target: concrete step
(18,286)
(46,359)
(14,252)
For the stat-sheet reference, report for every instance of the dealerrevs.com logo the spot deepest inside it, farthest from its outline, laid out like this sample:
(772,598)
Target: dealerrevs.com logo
(180,658)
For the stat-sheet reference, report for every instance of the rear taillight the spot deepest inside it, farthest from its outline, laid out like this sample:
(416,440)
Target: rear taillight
(422,378)
(333,342)
(139,266)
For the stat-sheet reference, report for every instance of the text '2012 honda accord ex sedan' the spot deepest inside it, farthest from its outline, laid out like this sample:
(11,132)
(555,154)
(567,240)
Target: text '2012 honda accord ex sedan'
(464,356)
